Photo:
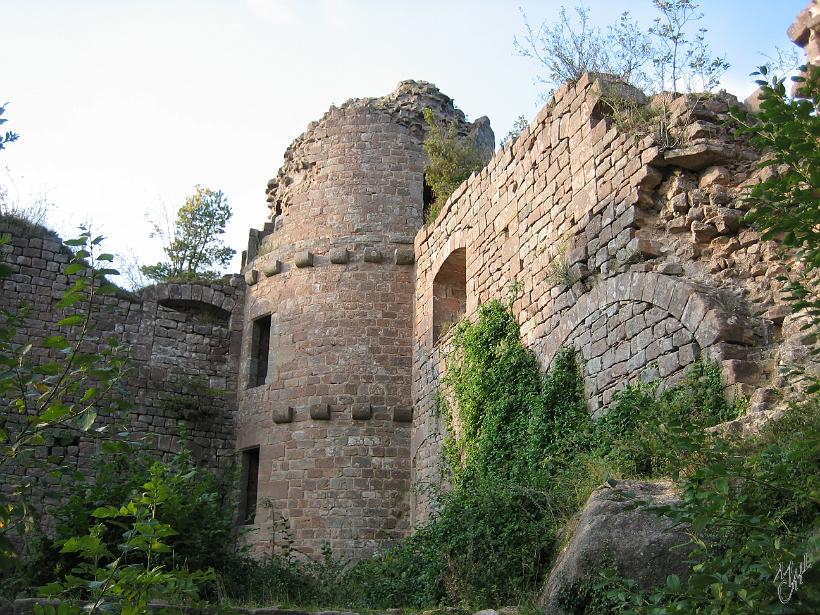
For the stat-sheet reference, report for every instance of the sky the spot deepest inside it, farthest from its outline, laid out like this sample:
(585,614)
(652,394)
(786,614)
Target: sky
(123,106)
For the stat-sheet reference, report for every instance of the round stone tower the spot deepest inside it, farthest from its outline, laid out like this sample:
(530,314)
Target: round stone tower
(324,401)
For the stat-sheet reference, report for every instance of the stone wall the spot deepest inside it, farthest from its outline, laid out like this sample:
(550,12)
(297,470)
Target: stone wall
(627,247)
(183,354)
(331,279)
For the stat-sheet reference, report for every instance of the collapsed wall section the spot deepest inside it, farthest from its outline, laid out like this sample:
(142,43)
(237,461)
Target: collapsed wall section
(181,344)
(629,248)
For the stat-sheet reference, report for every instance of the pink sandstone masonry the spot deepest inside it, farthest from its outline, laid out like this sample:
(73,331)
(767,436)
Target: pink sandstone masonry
(317,369)
(326,402)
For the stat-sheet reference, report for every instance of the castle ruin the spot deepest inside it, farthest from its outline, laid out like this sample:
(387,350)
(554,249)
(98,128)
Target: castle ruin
(315,371)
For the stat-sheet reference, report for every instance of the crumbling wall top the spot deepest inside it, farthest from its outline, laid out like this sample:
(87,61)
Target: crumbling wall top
(404,106)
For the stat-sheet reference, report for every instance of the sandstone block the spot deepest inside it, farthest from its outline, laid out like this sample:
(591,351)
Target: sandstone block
(372,255)
(271,268)
(251,277)
(339,256)
(739,371)
(362,412)
(404,256)
(320,412)
(283,415)
(703,232)
(403,414)
(697,157)
(303,259)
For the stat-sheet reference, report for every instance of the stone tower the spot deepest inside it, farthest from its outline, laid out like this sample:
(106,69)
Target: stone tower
(325,401)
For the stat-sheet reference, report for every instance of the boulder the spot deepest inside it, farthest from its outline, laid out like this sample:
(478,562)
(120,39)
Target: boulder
(639,542)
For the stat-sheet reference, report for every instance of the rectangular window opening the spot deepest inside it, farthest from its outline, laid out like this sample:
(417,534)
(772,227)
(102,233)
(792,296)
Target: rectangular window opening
(249,481)
(260,348)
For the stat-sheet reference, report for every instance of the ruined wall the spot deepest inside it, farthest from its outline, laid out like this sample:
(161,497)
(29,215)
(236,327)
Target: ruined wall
(183,354)
(333,270)
(630,252)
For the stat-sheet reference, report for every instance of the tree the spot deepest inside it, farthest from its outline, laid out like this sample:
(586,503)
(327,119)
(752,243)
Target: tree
(452,160)
(9,137)
(787,203)
(193,244)
(667,56)
(682,58)
(39,396)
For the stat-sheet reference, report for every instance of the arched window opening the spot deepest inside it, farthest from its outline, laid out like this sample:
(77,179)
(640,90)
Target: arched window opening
(449,293)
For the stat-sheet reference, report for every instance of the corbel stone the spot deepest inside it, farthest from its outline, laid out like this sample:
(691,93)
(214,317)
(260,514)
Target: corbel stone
(304,259)
(372,255)
(403,414)
(251,277)
(272,268)
(338,256)
(405,256)
(283,415)
(362,412)
(320,412)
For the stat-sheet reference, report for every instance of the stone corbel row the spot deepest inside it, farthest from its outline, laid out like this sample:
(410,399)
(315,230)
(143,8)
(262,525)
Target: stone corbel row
(359,412)
(337,256)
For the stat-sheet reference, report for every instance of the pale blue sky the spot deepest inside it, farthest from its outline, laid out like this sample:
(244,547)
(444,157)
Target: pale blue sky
(123,104)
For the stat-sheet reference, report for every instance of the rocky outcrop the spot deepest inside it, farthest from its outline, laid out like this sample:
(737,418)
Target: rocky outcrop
(611,526)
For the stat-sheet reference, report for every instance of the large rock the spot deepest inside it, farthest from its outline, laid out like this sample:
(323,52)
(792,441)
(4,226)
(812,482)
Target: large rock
(637,541)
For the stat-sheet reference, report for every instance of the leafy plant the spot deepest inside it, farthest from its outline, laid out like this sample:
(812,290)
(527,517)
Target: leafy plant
(664,56)
(520,124)
(126,578)
(785,204)
(452,159)
(679,56)
(9,137)
(753,507)
(193,244)
(65,390)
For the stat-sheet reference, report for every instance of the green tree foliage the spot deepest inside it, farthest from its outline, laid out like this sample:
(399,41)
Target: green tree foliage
(66,391)
(681,58)
(451,160)
(786,205)
(667,55)
(194,247)
(8,137)
(524,454)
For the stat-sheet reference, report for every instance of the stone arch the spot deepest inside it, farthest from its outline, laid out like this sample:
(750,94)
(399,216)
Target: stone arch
(197,299)
(639,324)
(449,292)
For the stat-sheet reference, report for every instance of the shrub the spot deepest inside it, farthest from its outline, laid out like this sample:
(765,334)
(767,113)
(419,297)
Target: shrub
(452,160)
(193,504)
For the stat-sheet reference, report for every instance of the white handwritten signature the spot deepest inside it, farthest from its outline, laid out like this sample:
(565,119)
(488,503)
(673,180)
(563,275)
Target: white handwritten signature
(790,578)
